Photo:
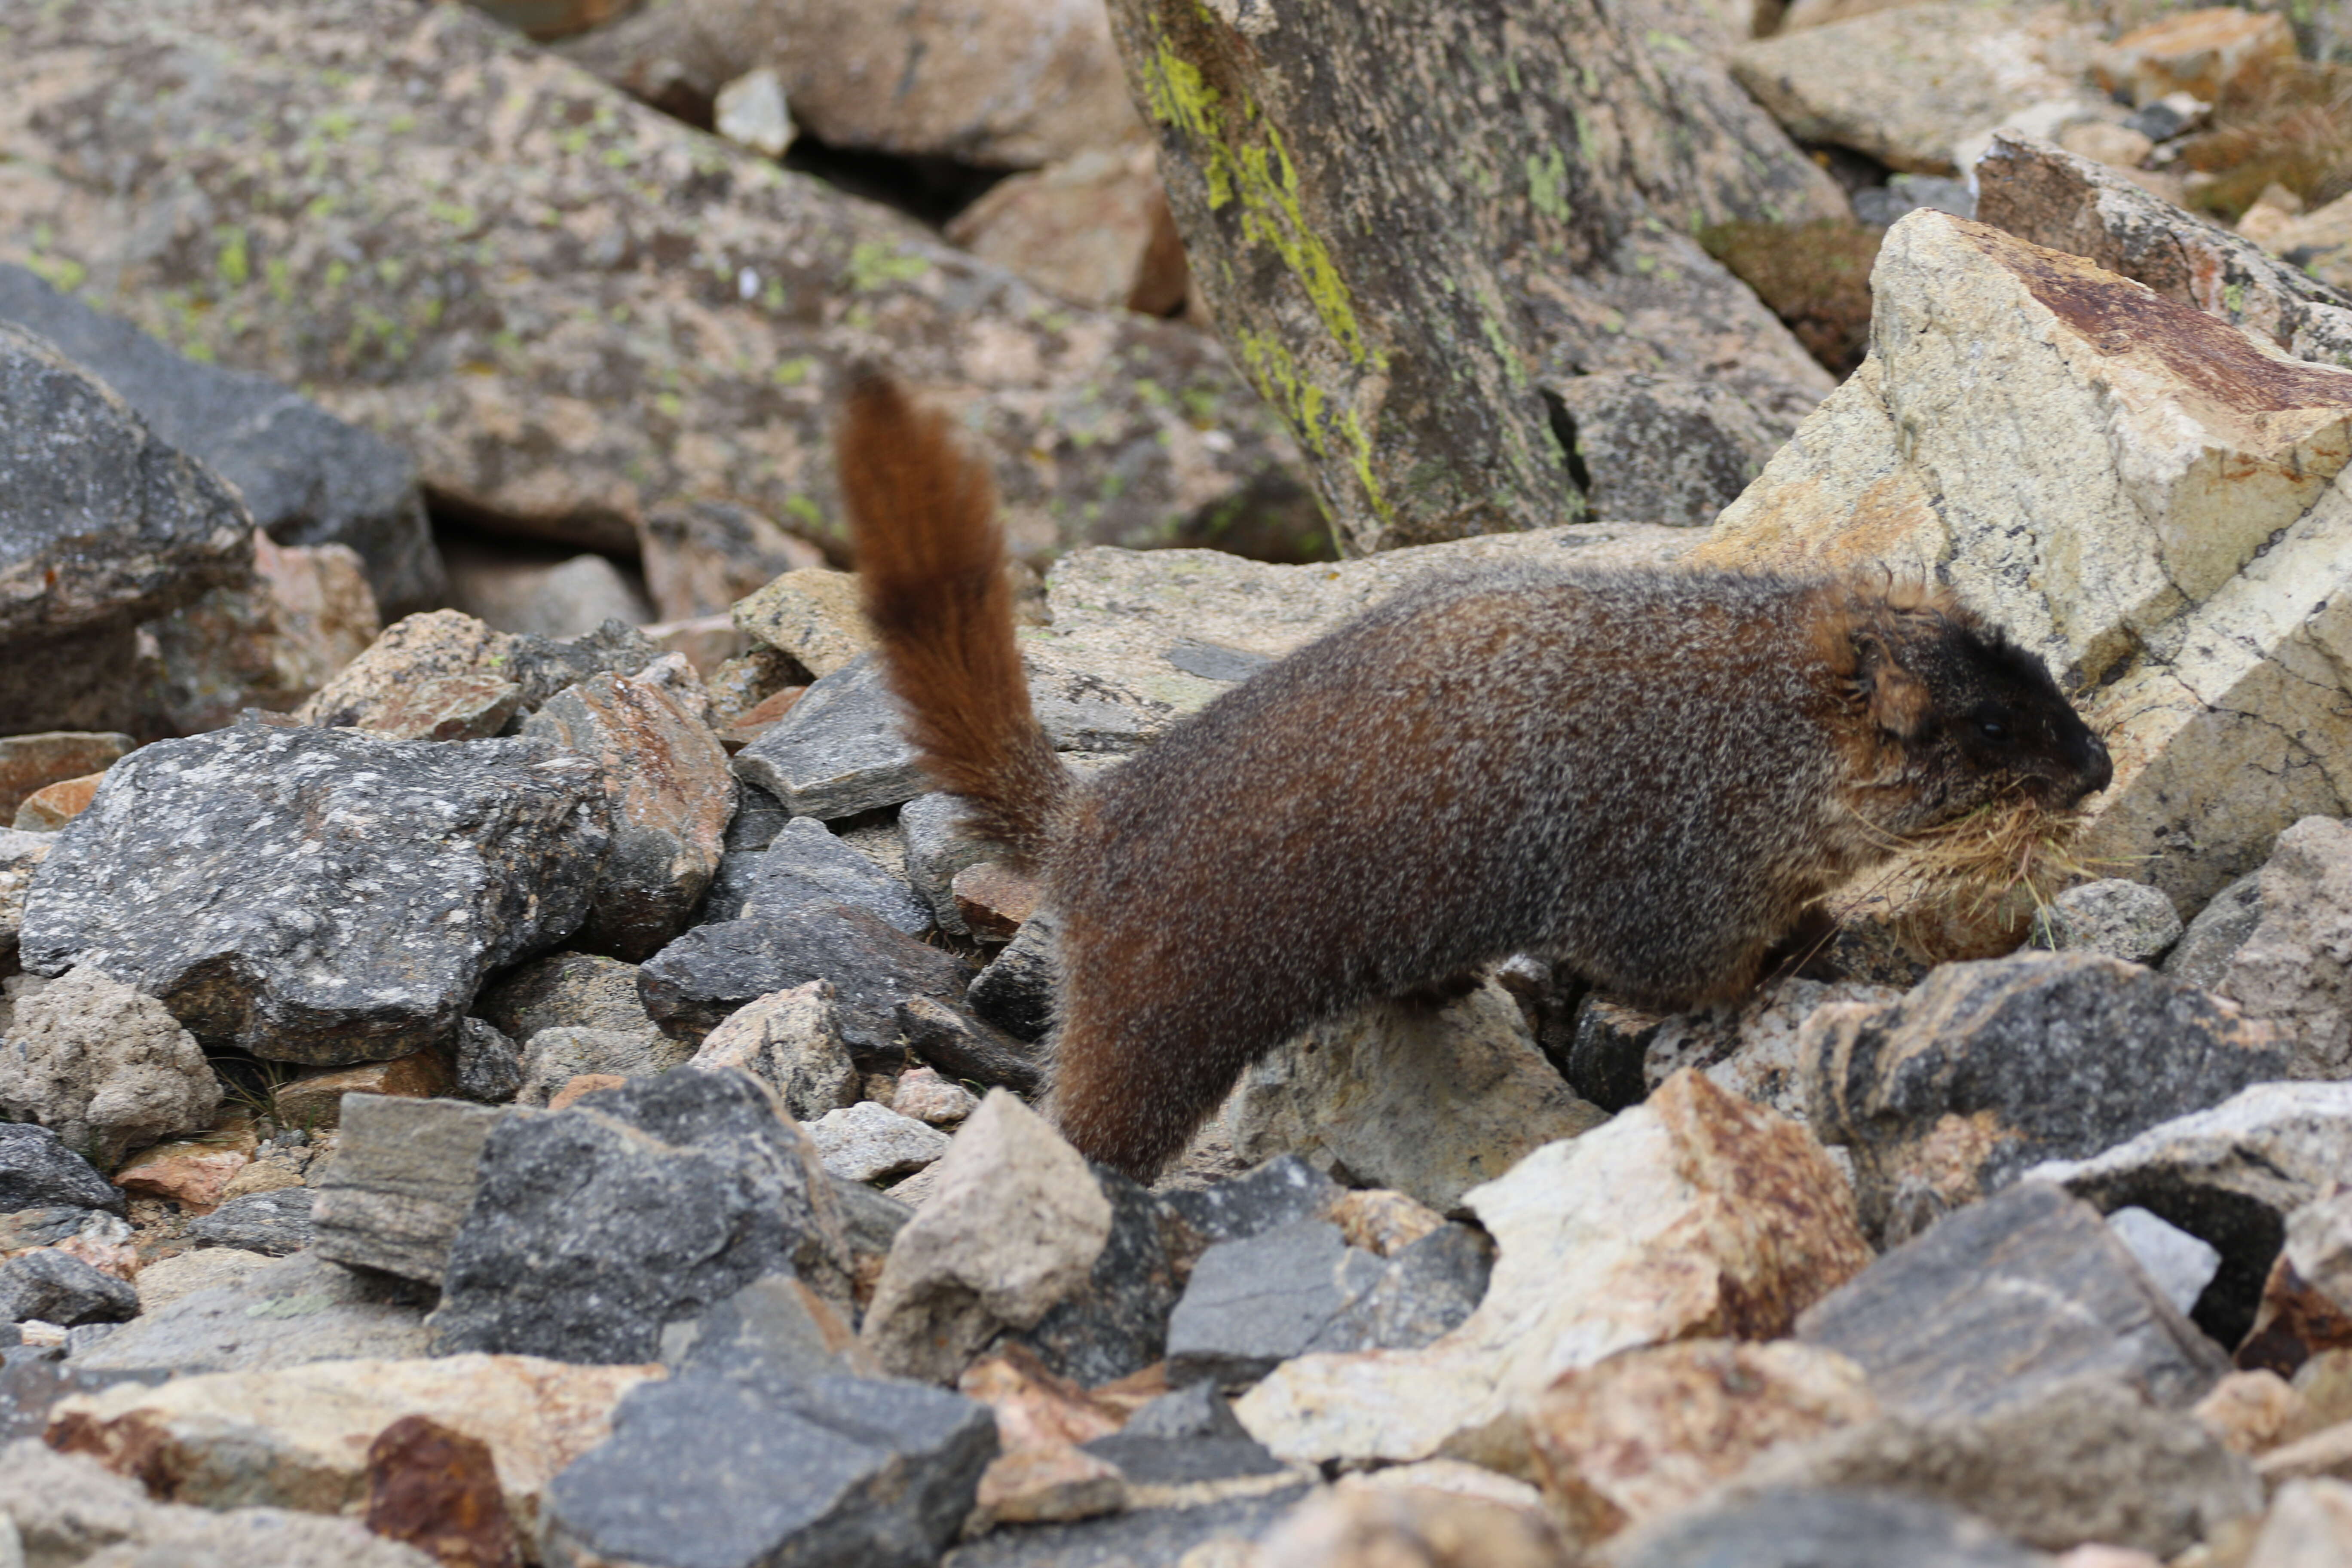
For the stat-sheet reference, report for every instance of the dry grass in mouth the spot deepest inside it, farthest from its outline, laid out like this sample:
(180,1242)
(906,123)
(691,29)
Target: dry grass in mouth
(1972,885)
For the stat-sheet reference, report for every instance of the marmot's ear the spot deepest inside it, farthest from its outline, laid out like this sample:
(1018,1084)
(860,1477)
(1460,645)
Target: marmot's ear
(1897,700)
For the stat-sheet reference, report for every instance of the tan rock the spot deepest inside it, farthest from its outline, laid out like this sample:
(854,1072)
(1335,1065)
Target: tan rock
(1693,1215)
(1043,1484)
(1648,1432)
(2203,53)
(1408,1527)
(2183,556)
(431,677)
(2327,1452)
(923,1094)
(1094,228)
(317,1100)
(268,644)
(525,593)
(30,762)
(1806,14)
(1381,1221)
(582,1084)
(264,1175)
(790,1041)
(993,899)
(812,615)
(167,1280)
(2249,1411)
(51,806)
(2103,142)
(105,1067)
(1034,1407)
(299,1437)
(2321,241)
(194,1174)
(2310,1526)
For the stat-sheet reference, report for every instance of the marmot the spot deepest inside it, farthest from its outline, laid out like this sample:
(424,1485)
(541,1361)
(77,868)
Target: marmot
(1649,774)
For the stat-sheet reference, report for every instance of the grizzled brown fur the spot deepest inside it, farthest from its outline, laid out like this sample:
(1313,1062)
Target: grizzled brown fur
(1650,776)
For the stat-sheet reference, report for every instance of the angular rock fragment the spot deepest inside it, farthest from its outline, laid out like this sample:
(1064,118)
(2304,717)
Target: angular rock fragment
(315,1101)
(965,1049)
(438,1489)
(698,981)
(838,751)
(812,615)
(30,763)
(2294,967)
(348,937)
(1714,1217)
(2001,1298)
(1989,1067)
(1114,1325)
(2176,1263)
(2204,53)
(790,1041)
(2124,919)
(488,1066)
(1665,448)
(1255,1303)
(871,1142)
(1015,992)
(2202,955)
(776,1321)
(553,1058)
(286,1313)
(59,1288)
(20,854)
(591,1228)
(1094,228)
(927,1097)
(807,867)
(703,557)
(107,1068)
(403,1175)
(38,1171)
(273,1224)
(167,1279)
(931,825)
(1800,1528)
(1282,1191)
(438,676)
(2309,1525)
(565,990)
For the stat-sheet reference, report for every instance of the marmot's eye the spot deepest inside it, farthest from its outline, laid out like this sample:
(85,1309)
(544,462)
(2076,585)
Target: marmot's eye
(1991,729)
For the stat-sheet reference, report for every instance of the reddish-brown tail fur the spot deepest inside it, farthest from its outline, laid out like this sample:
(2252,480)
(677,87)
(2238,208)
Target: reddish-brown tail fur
(930,563)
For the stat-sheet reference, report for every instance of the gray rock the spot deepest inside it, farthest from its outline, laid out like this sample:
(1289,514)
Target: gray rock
(2229,1177)
(2121,918)
(836,1470)
(274,1223)
(759,817)
(961,1047)
(790,1041)
(2202,955)
(1282,1191)
(104,522)
(838,751)
(871,1219)
(592,1227)
(696,981)
(871,1142)
(931,826)
(807,868)
(1218,1531)
(565,990)
(111,1070)
(731,886)
(306,476)
(38,1171)
(2002,1297)
(776,1321)
(2295,967)
(1664,448)
(2176,1263)
(291,1312)
(2041,1056)
(1881,204)
(273,886)
(1117,1322)
(1426,1291)
(1252,1303)
(489,1066)
(31,1380)
(59,1288)
(553,1058)
(401,1179)
(1830,1528)
(1182,1437)
(21,854)
(1015,992)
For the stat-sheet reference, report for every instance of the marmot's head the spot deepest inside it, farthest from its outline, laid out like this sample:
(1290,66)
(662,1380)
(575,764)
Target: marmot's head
(1978,716)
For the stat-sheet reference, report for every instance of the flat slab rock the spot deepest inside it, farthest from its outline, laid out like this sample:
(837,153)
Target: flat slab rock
(319,895)
(297,1309)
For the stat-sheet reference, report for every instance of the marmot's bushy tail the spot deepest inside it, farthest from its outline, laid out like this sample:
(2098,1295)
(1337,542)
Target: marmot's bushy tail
(930,565)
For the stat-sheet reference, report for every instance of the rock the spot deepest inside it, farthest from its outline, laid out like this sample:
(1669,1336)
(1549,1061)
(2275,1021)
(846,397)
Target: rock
(2294,967)
(1644,1434)
(310,828)
(554,1057)
(1094,228)
(1255,1303)
(698,981)
(1998,1301)
(2250,1411)
(2306,1305)
(1413,1527)
(307,478)
(705,557)
(273,1224)
(2202,955)
(1407,355)
(1988,1068)
(300,1436)
(436,1489)
(404,1174)
(2083,1460)
(1015,992)
(50,808)
(1796,1528)
(1381,1221)
(1185,1439)
(1212,1532)
(838,751)
(488,1067)
(846,1469)
(1015,1225)
(289,1312)
(29,763)
(1879,206)
(316,1101)
(1715,1217)
(1428,1101)
(811,613)
(167,1280)
(2229,1177)
(68,1509)
(807,868)
(57,1288)
(936,850)
(1756,1051)
(994,900)
(2206,53)
(1115,1325)
(1945,75)
(107,1068)
(38,1171)
(671,796)
(20,855)
(927,1097)
(2310,1525)
(871,1142)
(1048,1485)
(2195,618)
(1665,448)
(1041,1475)
(269,644)
(742,292)
(2125,920)
(790,1041)
(591,1227)
(1285,1191)
(566,990)
(192,1173)
(526,595)
(960,1044)
(2176,1263)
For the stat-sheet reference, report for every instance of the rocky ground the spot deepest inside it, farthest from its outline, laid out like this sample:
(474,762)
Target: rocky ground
(502,1059)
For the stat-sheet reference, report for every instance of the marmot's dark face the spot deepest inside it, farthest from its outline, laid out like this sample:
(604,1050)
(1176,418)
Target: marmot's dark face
(1997,719)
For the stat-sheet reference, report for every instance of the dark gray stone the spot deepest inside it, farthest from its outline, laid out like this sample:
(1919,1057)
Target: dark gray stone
(1015,992)
(1426,1291)
(102,524)
(490,1064)
(553,1058)
(59,1288)
(931,827)
(1999,1299)
(1829,1528)
(401,1180)
(838,751)
(565,991)
(1118,1324)
(543,667)
(696,981)
(31,1380)
(1179,1438)
(592,1227)
(2202,955)
(871,1220)
(2048,1055)
(1149,1536)
(1254,1303)
(274,1224)
(1662,448)
(961,1047)
(306,476)
(46,1227)
(1198,1412)
(806,868)
(776,1321)
(1282,1191)
(1902,193)
(759,817)
(1607,1049)
(731,886)
(753,1468)
(38,1171)
(319,895)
